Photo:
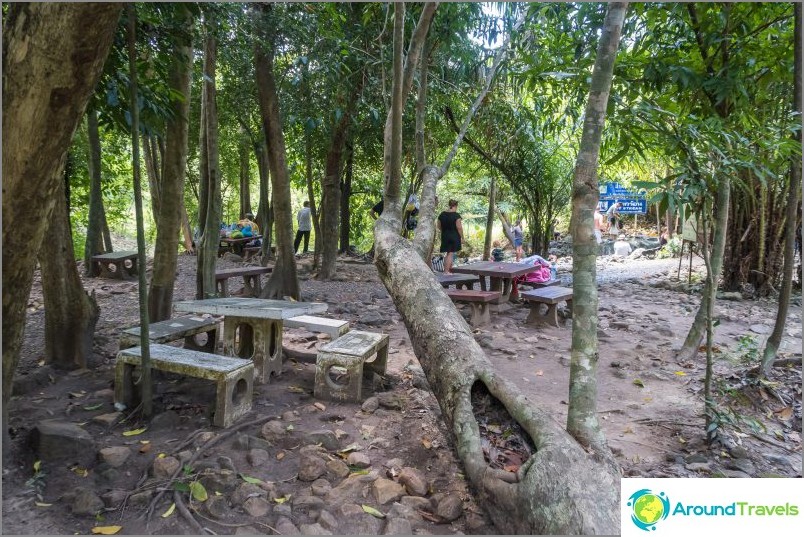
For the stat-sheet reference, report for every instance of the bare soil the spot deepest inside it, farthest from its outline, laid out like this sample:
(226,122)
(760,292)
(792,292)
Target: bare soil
(650,407)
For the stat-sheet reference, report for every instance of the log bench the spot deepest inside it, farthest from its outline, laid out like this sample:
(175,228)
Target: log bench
(479,300)
(335,328)
(118,265)
(550,296)
(467,281)
(234,377)
(251,280)
(173,330)
(351,352)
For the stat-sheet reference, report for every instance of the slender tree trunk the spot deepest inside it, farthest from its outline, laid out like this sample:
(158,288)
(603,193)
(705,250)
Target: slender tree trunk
(489,221)
(791,217)
(70,314)
(187,233)
(506,225)
(346,195)
(210,240)
(245,173)
(153,169)
(53,55)
(283,281)
(203,164)
(94,242)
(171,206)
(315,216)
(264,218)
(582,421)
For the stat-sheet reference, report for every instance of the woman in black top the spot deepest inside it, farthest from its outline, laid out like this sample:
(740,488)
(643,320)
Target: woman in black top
(449,222)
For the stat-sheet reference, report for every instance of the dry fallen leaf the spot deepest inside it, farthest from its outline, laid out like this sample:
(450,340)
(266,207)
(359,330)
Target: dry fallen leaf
(42,504)
(169,511)
(145,448)
(785,414)
(319,406)
(373,512)
(426,443)
(135,432)
(106,530)
(83,472)
(280,455)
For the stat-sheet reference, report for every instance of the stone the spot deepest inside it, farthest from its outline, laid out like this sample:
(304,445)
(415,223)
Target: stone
(106,419)
(290,416)
(730,295)
(390,400)
(256,507)
(449,508)
(664,331)
(396,462)
(338,468)
(258,457)
(738,452)
(696,457)
(273,431)
(105,476)
(200,466)
(185,456)
(311,467)
(114,498)
(106,393)
(358,459)
(698,467)
(86,502)
(320,487)
(313,529)
(370,405)
(735,474)
(410,514)
(355,521)
(247,530)
(165,467)
(397,526)
(285,527)
(413,481)
(325,437)
(372,318)
(204,437)
(743,465)
(241,441)
(223,481)
(386,490)
(115,456)
(55,440)
(356,486)
(417,502)
(167,420)
(226,463)
(328,521)
(307,505)
(141,499)
(619,325)
(760,329)
(217,506)
(246,491)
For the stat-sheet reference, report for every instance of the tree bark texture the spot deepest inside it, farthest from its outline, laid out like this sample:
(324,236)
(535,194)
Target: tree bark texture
(264,218)
(203,165)
(346,195)
(70,314)
(153,169)
(582,420)
(283,281)
(489,222)
(791,219)
(94,239)
(171,206)
(210,239)
(245,173)
(53,54)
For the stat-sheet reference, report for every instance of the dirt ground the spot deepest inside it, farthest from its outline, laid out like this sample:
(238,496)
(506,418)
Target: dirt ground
(299,465)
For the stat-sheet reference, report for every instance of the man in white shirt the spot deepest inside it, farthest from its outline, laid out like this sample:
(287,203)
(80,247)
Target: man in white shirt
(622,247)
(305,225)
(599,221)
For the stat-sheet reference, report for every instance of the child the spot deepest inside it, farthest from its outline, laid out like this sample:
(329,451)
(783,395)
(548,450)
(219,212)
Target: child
(497,253)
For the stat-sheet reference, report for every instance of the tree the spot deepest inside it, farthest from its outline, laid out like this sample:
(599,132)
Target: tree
(53,54)
(94,240)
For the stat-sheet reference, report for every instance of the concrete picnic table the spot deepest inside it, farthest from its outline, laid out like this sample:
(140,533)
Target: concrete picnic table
(500,274)
(238,246)
(252,327)
(119,261)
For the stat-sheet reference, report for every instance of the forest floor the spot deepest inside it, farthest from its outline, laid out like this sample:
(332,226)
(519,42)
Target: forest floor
(311,466)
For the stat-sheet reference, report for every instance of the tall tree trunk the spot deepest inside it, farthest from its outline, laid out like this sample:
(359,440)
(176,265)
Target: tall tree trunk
(346,195)
(107,236)
(171,206)
(283,281)
(70,314)
(582,421)
(210,240)
(186,232)
(791,218)
(264,218)
(53,55)
(489,220)
(94,242)
(245,173)
(153,169)
(203,164)
(315,216)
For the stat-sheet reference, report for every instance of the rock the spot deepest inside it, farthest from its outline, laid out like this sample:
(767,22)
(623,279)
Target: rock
(699,467)
(273,431)
(696,457)
(407,512)
(450,507)
(356,486)
(328,521)
(107,419)
(390,400)
(106,476)
(57,440)
(396,462)
(372,318)
(619,325)
(397,526)
(285,527)
(256,507)
(307,505)
(115,456)
(114,498)
(325,437)
(355,521)
(165,421)
(223,481)
(141,499)
(738,452)
(664,331)
(386,490)
(320,487)
(735,474)
(226,463)
(358,459)
(413,481)
(165,467)
(313,529)
(290,416)
(217,506)
(760,329)
(370,405)
(201,466)
(730,295)
(338,468)
(204,437)
(258,457)
(417,502)
(247,530)
(246,491)
(86,502)
(743,465)
(311,467)
(106,393)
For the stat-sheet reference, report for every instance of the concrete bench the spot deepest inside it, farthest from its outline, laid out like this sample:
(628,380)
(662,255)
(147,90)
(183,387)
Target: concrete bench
(351,352)
(540,285)
(118,265)
(251,251)
(251,280)
(335,328)
(173,330)
(234,377)
(550,296)
(479,300)
(466,281)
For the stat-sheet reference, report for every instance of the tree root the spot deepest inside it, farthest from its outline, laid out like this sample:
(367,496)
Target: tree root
(188,516)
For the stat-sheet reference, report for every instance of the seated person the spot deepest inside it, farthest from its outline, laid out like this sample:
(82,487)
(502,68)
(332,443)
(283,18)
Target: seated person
(497,253)
(248,221)
(622,247)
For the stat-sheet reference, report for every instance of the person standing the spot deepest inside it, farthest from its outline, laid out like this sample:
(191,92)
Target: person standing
(599,222)
(449,223)
(519,235)
(613,217)
(305,225)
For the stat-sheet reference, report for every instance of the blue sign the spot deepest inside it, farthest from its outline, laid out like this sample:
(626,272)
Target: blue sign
(633,202)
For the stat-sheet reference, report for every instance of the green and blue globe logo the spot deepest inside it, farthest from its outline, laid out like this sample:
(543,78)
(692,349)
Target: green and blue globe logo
(648,508)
